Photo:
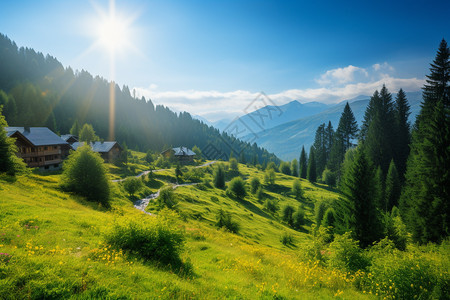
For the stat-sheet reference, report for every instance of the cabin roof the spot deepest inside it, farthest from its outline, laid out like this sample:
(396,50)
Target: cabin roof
(183,151)
(66,137)
(101,147)
(38,136)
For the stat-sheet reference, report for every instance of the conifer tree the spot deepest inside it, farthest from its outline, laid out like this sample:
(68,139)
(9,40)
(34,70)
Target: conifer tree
(379,123)
(320,149)
(294,168)
(349,126)
(312,175)
(402,133)
(358,202)
(393,188)
(303,164)
(329,136)
(219,177)
(9,162)
(424,202)
(87,134)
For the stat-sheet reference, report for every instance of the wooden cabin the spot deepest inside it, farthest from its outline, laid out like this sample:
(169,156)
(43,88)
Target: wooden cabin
(181,154)
(39,147)
(109,151)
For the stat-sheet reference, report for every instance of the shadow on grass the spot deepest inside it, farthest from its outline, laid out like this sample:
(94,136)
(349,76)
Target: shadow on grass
(252,207)
(278,189)
(325,187)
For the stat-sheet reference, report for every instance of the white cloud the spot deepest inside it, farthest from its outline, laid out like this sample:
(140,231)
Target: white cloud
(383,67)
(336,85)
(342,75)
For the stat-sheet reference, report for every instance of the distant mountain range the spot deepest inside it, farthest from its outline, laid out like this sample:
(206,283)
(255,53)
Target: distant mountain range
(286,140)
(284,129)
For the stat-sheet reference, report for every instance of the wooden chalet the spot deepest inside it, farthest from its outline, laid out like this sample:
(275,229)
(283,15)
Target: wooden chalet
(181,154)
(109,151)
(39,147)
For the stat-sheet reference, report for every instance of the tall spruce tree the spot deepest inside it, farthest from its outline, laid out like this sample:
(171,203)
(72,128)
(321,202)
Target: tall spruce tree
(402,133)
(424,202)
(294,168)
(320,149)
(8,149)
(379,137)
(303,164)
(357,204)
(329,136)
(312,175)
(345,133)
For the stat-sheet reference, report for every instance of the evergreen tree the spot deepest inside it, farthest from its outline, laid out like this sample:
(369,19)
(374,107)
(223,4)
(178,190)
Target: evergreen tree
(379,138)
(51,122)
(303,164)
(358,202)
(393,188)
(294,168)
(378,195)
(424,202)
(219,177)
(402,133)
(342,141)
(75,130)
(285,168)
(329,138)
(320,149)
(312,175)
(237,188)
(9,162)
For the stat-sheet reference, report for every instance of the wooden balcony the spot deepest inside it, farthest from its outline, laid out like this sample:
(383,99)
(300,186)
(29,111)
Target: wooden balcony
(40,153)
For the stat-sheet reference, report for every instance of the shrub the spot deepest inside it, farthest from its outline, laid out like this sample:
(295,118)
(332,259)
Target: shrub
(167,198)
(271,206)
(270,176)
(346,255)
(319,211)
(297,189)
(287,239)
(156,240)
(329,218)
(260,194)
(224,220)
(329,177)
(132,185)
(234,166)
(237,187)
(287,214)
(85,174)
(285,168)
(299,218)
(254,184)
(219,177)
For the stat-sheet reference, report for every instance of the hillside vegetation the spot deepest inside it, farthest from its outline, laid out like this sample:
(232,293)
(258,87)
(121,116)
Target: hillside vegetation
(56,245)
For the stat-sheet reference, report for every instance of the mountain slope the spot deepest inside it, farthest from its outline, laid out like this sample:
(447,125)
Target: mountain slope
(287,139)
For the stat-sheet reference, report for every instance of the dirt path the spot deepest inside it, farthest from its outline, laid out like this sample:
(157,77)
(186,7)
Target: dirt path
(160,170)
(141,204)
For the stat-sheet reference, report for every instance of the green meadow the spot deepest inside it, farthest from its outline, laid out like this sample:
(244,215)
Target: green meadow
(54,245)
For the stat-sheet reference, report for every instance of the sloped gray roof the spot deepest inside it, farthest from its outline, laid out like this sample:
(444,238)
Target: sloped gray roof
(101,147)
(65,137)
(38,136)
(183,151)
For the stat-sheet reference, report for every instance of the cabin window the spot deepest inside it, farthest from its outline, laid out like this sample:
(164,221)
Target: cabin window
(45,148)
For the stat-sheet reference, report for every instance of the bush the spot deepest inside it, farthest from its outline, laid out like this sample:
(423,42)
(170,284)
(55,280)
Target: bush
(167,198)
(287,213)
(285,168)
(287,239)
(346,255)
(272,166)
(234,166)
(271,206)
(329,218)
(329,177)
(237,187)
(132,185)
(85,174)
(299,218)
(254,184)
(224,220)
(270,177)
(156,240)
(297,190)
(260,194)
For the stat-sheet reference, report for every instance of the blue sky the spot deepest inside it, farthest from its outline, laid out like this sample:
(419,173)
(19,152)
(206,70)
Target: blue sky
(213,57)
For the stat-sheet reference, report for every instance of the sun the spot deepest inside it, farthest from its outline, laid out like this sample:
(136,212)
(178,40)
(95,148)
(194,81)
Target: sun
(113,31)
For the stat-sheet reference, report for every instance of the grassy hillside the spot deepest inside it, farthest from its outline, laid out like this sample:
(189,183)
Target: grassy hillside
(53,245)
